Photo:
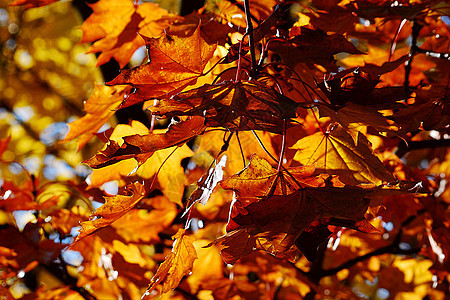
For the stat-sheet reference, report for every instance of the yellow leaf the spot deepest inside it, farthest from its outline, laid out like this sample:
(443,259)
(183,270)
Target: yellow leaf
(171,176)
(114,208)
(209,257)
(140,225)
(335,152)
(114,26)
(112,172)
(130,253)
(100,106)
(177,264)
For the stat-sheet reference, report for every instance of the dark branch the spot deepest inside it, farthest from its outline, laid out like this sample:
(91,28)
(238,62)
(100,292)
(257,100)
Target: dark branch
(251,41)
(404,148)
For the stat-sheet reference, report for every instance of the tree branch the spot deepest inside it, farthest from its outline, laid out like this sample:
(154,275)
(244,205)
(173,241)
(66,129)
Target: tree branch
(251,41)
(404,148)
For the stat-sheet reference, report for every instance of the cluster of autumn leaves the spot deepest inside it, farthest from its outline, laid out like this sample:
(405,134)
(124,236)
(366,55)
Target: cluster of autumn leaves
(284,152)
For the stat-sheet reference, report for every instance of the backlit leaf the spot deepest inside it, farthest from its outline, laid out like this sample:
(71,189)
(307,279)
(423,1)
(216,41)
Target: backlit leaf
(178,263)
(141,146)
(237,106)
(273,210)
(335,152)
(114,208)
(31,3)
(175,62)
(114,28)
(100,107)
(171,176)
(142,225)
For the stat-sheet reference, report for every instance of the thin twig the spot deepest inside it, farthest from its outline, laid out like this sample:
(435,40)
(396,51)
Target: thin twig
(415,33)
(251,41)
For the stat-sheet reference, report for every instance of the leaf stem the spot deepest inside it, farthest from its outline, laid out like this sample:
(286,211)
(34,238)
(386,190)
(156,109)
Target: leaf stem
(317,120)
(283,146)
(240,148)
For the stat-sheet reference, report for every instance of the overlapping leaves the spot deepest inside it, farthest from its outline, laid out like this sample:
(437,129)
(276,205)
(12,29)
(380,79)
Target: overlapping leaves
(239,105)
(284,211)
(114,28)
(272,209)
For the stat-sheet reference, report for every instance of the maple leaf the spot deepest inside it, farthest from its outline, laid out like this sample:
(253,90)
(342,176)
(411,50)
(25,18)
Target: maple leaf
(142,225)
(114,27)
(354,115)
(100,107)
(312,47)
(20,250)
(335,152)
(206,257)
(273,209)
(114,208)
(175,62)
(112,172)
(357,85)
(142,146)
(242,105)
(166,165)
(23,196)
(178,263)
(213,141)
(212,28)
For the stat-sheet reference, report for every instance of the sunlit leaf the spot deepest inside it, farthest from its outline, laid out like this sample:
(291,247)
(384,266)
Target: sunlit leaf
(142,225)
(114,28)
(175,62)
(114,208)
(336,152)
(273,210)
(177,264)
(177,134)
(166,166)
(31,3)
(100,107)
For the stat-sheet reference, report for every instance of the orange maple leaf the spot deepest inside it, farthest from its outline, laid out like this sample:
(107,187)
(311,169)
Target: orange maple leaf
(175,62)
(178,263)
(114,28)
(100,107)
(142,146)
(335,152)
(114,208)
